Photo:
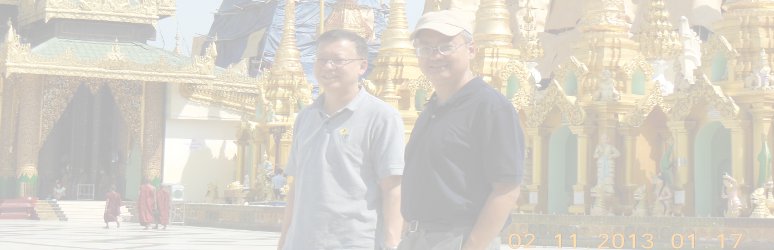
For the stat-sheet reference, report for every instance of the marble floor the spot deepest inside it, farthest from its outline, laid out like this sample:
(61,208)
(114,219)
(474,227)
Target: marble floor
(56,235)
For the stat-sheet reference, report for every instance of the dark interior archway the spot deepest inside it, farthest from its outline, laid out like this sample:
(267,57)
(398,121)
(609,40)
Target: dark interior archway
(86,146)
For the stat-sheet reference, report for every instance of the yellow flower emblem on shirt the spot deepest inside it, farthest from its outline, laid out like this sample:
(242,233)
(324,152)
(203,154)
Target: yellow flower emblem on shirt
(344,132)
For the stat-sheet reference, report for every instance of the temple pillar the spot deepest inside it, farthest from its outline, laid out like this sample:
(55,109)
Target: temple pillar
(580,189)
(153,107)
(683,135)
(28,135)
(739,161)
(536,193)
(7,128)
(761,125)
(627,171)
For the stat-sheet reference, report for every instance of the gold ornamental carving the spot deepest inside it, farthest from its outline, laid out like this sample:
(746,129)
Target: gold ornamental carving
(140,12)
(128,96)
(57,94)
(18,59)
(348,15)
(703,91)
(153,128)
(637,64)
(646,105)
(546,100)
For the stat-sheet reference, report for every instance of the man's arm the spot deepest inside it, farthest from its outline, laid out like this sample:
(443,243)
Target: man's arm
(492,216)
(288,217)
(393,221)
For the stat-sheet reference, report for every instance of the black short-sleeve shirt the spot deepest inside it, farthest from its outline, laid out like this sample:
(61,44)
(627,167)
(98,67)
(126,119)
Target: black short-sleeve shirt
(456,151)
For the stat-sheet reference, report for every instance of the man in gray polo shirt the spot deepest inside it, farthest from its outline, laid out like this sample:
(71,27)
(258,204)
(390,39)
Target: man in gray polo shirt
(346,159)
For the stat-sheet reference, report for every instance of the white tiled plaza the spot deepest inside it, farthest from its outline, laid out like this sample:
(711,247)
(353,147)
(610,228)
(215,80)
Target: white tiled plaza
(54,235)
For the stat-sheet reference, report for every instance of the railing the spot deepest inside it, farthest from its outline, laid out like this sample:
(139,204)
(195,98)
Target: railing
(85,192)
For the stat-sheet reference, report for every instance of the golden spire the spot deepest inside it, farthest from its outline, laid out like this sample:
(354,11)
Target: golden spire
(396,62)
(658,39)
(492,25)
(347,15)
(529,44)
(287,88)
(288,56)
(493,37)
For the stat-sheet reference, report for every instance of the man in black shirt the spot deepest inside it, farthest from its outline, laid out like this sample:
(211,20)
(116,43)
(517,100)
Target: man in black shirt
(465,157)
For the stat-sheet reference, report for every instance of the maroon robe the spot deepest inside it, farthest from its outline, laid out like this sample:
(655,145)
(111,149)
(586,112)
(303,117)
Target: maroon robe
(112,206)
(162,203)
(146,204)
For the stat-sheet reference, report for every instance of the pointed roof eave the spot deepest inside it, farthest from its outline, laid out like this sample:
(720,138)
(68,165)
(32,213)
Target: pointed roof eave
(703,91)
(546,100)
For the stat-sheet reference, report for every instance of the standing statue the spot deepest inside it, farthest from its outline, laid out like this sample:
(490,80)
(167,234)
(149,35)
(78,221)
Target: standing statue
(661,70)
(606,88)
(690,60)
(664,197)
(731,194)
(761,74)
(605,155)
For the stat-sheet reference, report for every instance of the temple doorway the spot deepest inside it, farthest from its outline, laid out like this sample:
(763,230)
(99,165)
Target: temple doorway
(562,170)
(712,157)
(86,148)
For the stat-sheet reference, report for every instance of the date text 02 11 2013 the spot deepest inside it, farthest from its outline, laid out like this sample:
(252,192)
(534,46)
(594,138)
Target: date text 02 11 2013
(631,240)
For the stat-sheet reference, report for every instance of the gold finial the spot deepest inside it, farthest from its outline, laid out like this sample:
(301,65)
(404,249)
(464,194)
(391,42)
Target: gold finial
(529,44)
(177,43)
(658,39)
(288,56)
(347,15)
(492,25)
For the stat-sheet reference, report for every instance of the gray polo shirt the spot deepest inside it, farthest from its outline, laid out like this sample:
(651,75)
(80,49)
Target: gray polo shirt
(337,162)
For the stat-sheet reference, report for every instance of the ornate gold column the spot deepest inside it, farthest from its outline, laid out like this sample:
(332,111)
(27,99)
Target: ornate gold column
(761,125)
(681,132)
(28,135)
(153,130)
(738,152)
(536,195)
(629,157)
(581,195)
(7,171)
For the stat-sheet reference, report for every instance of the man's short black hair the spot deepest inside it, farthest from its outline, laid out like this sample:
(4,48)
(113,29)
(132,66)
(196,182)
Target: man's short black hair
(338,34)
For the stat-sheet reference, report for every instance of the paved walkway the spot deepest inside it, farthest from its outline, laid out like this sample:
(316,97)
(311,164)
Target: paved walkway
(56,235)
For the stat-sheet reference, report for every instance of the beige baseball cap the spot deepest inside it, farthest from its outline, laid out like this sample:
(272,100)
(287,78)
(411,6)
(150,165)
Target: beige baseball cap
(446,22)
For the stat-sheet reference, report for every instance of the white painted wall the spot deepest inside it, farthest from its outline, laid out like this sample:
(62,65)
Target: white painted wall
(199,147)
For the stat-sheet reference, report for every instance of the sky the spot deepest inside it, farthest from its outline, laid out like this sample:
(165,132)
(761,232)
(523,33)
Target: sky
(194,17)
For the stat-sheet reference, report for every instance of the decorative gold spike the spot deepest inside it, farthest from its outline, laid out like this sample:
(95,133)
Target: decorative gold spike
(529,45)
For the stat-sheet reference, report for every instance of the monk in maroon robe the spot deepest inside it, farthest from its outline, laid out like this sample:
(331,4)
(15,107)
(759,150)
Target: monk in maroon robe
(162,203)
(146,202)
(112,207)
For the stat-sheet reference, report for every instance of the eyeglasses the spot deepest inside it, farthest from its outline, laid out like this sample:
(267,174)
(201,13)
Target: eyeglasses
(337,62)
(443,49)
